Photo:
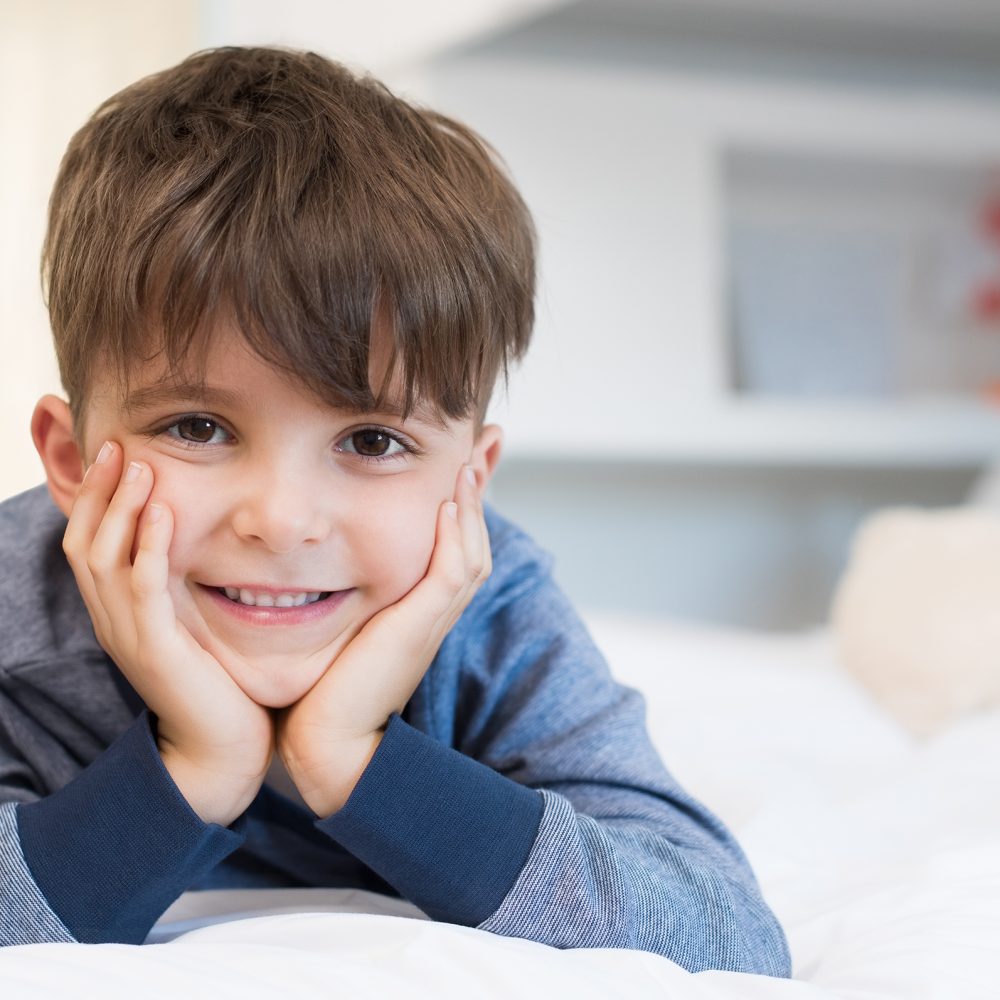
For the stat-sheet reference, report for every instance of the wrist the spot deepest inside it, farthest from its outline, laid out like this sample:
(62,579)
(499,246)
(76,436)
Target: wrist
(214,794)
(326,785)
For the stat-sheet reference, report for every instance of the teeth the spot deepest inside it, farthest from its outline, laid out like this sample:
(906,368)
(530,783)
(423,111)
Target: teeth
(272,600)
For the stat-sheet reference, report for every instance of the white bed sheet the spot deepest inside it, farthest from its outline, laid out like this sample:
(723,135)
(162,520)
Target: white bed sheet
(880,855)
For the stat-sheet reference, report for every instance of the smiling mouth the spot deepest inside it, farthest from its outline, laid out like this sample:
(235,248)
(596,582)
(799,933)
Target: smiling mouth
(289,599)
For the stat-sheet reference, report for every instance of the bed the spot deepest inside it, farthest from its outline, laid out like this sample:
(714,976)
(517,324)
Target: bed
(879,852)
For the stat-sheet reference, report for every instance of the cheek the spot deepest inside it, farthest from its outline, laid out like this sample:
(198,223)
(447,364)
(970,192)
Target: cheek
(395,543)
(189,519)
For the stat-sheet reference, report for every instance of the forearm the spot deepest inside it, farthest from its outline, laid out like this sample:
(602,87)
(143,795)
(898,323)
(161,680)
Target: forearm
(590,884)
(107,853)
(447,832)
(25,914)
(470,846)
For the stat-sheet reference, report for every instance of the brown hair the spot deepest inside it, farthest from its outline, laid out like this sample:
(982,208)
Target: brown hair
(277,190)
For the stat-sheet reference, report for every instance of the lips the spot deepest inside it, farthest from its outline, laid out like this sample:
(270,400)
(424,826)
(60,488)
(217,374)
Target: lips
(324,604)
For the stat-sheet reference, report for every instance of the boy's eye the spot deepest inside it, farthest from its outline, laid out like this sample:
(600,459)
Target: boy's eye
(195,430)
(372,442)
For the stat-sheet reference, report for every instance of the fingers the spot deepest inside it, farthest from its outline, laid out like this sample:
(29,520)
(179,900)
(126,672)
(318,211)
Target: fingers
(114,539)
(91,503)
(89,509)
(461,560)
(154,612)
(475,538)
(101,535)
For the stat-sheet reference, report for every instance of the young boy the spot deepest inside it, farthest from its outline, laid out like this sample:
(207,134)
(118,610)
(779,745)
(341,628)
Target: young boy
(260,629)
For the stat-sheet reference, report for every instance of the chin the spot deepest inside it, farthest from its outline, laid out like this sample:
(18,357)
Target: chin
(276,699)
(273,692)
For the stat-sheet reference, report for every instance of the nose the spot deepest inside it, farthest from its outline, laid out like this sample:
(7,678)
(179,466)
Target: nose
(280,513)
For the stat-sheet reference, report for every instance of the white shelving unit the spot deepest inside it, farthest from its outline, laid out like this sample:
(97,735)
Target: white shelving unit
(624,164)
(932,434)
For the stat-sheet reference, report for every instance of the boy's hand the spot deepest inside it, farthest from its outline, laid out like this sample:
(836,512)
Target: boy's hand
(327,738)
(215,742)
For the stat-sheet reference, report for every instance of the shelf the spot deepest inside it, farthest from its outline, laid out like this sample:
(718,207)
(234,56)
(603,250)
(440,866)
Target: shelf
(632,359)
(875,43)
(931,433)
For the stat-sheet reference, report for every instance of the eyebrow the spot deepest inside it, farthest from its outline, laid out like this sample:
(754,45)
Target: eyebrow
(184,392)
(161,393)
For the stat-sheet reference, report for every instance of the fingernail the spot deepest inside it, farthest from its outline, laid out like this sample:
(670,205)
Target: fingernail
(134,468)
(105,453)
(451,509)
(470,474)
(155,512)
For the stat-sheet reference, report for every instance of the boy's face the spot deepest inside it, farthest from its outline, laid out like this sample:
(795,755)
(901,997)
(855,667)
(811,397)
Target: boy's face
(271,489)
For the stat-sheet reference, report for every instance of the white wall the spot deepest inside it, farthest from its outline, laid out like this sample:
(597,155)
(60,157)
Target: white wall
(623,188)
(58,60)
(384,37)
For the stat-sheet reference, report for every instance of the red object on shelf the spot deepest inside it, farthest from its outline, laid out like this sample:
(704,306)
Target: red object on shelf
(986,298)
(986,303)
(991,218)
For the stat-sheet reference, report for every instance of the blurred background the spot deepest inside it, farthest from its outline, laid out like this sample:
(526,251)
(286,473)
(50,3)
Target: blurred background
(770,259)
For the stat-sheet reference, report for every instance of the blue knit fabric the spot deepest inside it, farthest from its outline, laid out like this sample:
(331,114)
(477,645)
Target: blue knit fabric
(110,876)
(518,792)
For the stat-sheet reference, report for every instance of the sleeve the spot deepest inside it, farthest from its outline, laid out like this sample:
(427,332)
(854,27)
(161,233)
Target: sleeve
(553,818)
(101,858)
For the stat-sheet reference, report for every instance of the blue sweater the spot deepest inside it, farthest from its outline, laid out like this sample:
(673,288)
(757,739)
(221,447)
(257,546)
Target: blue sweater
(518,793)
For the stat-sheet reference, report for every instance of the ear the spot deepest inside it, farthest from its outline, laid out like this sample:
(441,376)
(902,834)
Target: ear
(52,432)
(486,454)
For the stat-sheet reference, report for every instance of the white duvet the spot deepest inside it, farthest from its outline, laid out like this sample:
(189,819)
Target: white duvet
(880,855)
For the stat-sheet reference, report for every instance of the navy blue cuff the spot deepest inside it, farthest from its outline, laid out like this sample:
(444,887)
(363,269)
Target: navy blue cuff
(446,832)
(115,847)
